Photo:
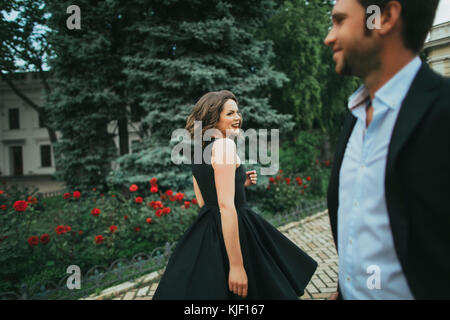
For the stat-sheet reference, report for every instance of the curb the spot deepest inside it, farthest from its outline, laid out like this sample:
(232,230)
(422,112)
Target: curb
(303,221)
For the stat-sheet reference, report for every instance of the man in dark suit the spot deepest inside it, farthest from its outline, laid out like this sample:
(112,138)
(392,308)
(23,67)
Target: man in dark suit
(389,191)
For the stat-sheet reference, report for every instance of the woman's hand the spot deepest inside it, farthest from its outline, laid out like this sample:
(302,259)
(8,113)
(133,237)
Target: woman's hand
(251,178)
(237,281)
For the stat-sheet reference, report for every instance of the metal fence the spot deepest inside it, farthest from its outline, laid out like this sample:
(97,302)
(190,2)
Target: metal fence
(51,194)
(100,277)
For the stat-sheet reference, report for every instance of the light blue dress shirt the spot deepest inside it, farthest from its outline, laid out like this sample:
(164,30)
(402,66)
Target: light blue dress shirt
(368,264)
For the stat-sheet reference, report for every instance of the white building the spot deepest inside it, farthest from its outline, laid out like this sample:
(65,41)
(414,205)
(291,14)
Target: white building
(26,154)
(438,48)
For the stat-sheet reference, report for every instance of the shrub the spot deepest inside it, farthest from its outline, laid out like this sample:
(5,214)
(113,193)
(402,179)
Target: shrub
(40,238)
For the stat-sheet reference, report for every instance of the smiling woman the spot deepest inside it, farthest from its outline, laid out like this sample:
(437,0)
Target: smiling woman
(230,251)
(216,110)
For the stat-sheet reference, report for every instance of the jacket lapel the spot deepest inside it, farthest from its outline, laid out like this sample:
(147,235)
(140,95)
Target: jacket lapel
(417,102)
(419,98)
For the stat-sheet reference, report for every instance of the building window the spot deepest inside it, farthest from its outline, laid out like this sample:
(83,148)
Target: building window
(14,119)
(46,156)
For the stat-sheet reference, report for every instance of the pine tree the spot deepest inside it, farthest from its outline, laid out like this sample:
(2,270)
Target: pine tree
(89,87)
(189,48)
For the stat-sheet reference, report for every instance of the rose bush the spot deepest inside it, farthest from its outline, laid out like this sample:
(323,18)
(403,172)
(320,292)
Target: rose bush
(39,238)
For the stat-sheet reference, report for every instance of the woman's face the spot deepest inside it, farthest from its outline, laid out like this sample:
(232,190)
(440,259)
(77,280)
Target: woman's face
(230,119)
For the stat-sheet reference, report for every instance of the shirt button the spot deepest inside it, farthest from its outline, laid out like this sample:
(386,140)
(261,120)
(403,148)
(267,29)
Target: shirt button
(348,278)
(362,166)
(356,204)
(350,241)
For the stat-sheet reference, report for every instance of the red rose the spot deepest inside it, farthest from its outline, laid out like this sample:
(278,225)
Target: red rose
(112,228)
(153,181)
(163,197)
(67,195)
(95,212)
(149,220)
(187,204)
(327,163)
(299,181)
(288,180)
(3,207)
(67,228)
(45,238)
(278,178)
(1,192)
(133,188)
(76,194)
(169,192)
(33,241)
(308,178)
(166,210)
(20,205)
(137,229)
(159,213)
(172,198)
(194,201)
(125,217)
(139,200)
(272,180)
(281,171)
(94,189)
(154,189)
(99,239)
(157,205)
(179,196)
(60,229)
(305,186)
(113,196)
(80,232)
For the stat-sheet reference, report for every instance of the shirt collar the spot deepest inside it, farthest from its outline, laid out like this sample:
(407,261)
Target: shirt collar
(393,92)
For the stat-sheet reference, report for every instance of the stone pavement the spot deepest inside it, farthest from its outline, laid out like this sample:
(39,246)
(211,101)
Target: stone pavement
(311,234)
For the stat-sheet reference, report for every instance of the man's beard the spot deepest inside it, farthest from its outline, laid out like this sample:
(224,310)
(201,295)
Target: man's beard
(360,62)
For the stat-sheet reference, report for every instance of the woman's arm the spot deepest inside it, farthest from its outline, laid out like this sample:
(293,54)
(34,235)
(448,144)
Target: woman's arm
(224,165)
(198,194)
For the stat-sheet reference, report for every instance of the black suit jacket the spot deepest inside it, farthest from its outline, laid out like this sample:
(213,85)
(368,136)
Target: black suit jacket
(417,184)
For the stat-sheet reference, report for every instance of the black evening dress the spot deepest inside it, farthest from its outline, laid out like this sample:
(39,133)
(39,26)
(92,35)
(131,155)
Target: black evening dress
(198,267)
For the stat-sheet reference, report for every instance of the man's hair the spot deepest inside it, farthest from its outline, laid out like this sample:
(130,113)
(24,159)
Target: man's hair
(417,19)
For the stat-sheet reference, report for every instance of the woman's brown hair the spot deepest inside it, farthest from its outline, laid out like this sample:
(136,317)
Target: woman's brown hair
(208,109)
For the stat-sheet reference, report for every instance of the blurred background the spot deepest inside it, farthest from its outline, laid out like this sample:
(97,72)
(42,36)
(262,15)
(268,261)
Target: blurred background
(89,98)
(80,108)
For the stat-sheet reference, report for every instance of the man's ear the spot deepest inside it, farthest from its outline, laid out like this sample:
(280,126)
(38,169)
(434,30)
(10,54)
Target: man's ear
(390,17)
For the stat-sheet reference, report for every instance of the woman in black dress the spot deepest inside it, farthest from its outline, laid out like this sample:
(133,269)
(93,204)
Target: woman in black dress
(230,252)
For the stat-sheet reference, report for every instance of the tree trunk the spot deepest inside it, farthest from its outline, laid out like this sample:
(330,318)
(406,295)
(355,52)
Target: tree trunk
(123,136)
